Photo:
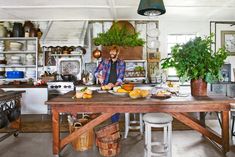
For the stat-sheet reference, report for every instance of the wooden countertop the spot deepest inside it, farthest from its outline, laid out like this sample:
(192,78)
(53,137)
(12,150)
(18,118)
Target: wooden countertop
(106,102)
(22,86)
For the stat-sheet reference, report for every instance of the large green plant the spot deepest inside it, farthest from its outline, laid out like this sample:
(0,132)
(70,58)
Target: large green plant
(195,59)
(117,36)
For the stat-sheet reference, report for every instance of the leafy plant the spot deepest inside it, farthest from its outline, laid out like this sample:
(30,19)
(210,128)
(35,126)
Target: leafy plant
(195,59)
(117,36)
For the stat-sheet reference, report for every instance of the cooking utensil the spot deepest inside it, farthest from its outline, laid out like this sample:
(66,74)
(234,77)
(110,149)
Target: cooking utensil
(15,74)
(68,77)
(97,53)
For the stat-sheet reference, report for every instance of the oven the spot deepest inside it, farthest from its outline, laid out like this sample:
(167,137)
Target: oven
(58,88)
(72,65)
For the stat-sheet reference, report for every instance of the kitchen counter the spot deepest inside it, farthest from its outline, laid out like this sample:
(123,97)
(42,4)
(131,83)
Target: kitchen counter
(22,86)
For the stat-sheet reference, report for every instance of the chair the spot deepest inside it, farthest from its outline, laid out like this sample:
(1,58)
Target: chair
(129,123)
(158,120)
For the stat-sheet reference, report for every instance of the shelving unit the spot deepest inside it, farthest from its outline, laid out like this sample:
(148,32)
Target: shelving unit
(22,53)
(136,75)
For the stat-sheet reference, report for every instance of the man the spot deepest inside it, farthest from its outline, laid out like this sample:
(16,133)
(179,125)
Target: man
(111,72)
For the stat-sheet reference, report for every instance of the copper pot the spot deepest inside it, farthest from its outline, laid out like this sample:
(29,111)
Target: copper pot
(198,87)
(97,53)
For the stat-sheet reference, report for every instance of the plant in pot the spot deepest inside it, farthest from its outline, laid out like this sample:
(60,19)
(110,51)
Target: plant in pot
(123,34)
(196,61)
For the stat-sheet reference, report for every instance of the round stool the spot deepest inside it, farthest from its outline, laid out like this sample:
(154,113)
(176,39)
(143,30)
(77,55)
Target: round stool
(128,123)
(158,120)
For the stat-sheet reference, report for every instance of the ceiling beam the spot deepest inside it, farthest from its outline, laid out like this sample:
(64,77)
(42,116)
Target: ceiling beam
(113,10)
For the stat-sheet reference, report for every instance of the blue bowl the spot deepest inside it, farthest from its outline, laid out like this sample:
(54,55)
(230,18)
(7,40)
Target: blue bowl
(15,74)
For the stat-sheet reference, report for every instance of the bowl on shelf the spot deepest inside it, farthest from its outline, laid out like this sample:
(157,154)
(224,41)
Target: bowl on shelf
(15,46)
(14,74)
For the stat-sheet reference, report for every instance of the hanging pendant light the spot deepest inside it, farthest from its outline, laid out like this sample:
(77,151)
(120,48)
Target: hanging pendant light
(151,8)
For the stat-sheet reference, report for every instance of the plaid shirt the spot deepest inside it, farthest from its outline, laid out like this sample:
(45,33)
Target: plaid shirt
(104,69)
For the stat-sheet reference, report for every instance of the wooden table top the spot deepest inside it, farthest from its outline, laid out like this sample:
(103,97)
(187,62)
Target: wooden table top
(108,102)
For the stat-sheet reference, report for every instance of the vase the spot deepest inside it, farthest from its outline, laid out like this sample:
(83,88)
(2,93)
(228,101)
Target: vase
(198,87)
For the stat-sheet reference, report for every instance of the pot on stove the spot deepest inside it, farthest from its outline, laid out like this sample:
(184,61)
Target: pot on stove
(68,77)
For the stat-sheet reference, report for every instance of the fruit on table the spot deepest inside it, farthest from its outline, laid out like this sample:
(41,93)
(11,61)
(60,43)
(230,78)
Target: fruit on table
(87,96)
(121,90)
(138,93)
(105,87)
(144,93)
(163,93)
(128,86)
(84,93)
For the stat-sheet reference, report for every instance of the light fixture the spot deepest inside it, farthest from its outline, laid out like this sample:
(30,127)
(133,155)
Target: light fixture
(151,8)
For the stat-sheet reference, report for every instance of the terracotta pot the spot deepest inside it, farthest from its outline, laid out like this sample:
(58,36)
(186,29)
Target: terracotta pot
(198,87)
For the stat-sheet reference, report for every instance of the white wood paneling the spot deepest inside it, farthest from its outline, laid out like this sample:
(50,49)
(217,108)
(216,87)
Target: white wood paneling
(113,9)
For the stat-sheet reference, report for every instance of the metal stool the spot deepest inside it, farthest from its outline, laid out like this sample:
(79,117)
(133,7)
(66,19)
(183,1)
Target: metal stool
(128,123)
(158,120)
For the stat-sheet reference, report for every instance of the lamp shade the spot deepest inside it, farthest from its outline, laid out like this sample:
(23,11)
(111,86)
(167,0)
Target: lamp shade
(151,8)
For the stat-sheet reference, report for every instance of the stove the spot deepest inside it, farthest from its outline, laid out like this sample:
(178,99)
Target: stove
(59,88)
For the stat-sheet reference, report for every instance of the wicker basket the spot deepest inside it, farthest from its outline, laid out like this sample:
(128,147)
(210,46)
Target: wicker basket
(107,130)
(108,140)
(110,152)
(84,141)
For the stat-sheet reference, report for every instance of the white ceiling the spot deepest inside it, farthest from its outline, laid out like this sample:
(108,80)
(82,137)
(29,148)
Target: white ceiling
(44,10)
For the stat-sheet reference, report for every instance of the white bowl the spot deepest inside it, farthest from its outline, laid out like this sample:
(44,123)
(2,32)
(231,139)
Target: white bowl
(15,46)
(31,47)
(15,57)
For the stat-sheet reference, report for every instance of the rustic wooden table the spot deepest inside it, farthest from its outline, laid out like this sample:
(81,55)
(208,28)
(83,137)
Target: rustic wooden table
(109,104)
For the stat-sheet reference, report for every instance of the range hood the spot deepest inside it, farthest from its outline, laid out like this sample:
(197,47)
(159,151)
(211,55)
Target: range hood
(64,33)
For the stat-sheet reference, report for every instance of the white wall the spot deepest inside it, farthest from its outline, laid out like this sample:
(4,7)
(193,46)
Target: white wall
(180,27)
(230,59)
(200,28)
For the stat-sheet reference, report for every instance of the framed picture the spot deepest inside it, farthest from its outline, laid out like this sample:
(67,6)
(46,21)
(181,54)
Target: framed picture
(228,40)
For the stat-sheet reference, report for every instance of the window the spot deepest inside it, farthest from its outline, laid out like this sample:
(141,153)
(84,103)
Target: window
(173,39)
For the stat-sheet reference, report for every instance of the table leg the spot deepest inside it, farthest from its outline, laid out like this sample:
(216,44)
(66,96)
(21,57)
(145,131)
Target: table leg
(225,131)
(56,132)
(202,118)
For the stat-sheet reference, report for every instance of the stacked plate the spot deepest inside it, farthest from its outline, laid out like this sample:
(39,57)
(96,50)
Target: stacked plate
(15,60)
(15,46)
(30,74)
(2,46)
(30,60)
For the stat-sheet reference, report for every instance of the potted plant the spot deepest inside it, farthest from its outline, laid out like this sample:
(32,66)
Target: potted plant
(123,34)
(196,61)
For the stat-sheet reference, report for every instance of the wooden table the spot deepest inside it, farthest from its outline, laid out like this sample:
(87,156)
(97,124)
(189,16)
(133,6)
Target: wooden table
(109,104)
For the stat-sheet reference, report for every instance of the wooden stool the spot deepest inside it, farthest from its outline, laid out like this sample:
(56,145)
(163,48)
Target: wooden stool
(158,120)
(128,123)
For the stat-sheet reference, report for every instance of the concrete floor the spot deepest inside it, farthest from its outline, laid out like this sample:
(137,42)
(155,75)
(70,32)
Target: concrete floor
(185,143)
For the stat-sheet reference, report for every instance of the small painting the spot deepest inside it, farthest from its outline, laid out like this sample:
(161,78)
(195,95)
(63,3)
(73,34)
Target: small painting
(228,40)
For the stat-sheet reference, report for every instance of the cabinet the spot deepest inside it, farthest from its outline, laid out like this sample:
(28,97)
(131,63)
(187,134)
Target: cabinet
(21,54)
(136,70)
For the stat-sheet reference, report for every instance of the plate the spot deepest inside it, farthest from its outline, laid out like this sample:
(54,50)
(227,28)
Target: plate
(119,94)
(153,43)
(101,91)
(161,97)
(153,32)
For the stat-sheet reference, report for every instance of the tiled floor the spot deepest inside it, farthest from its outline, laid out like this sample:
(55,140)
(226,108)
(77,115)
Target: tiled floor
(185,143)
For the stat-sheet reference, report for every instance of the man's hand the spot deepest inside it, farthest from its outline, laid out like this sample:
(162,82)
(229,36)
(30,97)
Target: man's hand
(110,85)
(100,78)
